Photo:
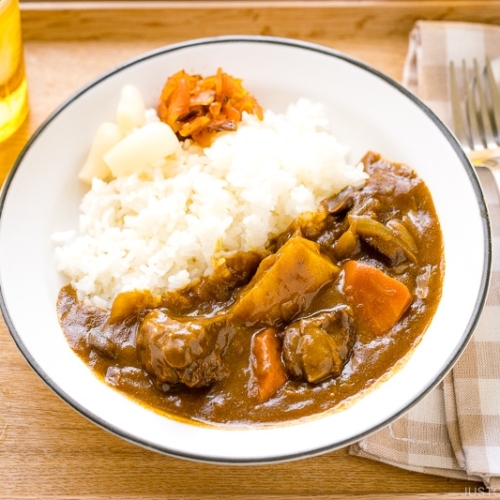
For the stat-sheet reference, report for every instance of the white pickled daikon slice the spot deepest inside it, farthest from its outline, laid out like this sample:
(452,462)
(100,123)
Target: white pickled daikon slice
(146,145)
(107,135)
(130,112)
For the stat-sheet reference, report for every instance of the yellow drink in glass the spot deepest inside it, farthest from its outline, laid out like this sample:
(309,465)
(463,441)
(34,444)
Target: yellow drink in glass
(13,85)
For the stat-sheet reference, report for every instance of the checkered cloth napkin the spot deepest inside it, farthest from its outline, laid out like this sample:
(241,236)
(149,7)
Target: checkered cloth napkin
(455,430)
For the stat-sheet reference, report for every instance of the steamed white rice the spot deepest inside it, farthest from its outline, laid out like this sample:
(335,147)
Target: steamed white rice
(161,229)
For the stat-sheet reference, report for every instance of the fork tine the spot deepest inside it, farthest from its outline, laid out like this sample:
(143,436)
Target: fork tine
(456,108)
(475,132)
(495,97)
(484,115)
(478,107)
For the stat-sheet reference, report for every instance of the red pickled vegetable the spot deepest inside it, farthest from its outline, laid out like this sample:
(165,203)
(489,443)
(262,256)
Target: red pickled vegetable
(199,108)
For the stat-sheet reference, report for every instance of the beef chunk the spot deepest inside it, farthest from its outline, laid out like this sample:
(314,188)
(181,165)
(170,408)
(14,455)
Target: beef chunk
(318,347)
(207,294)
(188,352)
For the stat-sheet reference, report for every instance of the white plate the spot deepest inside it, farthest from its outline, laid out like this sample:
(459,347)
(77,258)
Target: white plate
(368,111)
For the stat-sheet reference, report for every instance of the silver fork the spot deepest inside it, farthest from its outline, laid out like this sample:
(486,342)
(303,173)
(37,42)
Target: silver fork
(476,115)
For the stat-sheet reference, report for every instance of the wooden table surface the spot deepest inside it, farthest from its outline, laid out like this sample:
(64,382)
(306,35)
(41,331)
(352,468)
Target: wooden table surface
(47,450)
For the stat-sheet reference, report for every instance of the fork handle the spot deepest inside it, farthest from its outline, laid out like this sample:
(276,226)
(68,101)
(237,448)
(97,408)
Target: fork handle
(493,183)
(488,159)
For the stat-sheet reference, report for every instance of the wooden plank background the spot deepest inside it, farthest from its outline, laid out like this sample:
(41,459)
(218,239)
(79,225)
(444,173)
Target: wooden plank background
(308,20)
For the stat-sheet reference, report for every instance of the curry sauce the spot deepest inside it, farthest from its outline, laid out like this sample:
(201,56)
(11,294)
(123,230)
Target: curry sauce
(332,306)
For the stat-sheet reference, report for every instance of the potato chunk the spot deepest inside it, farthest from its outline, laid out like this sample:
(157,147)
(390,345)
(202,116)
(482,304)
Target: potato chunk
(285,283)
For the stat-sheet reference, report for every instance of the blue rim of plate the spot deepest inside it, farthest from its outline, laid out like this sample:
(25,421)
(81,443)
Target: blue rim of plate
(307,46)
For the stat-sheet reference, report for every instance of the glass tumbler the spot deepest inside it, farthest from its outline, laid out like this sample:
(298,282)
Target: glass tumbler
(13,84)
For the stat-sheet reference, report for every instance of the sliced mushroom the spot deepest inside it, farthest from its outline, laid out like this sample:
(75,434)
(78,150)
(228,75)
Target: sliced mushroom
(102,343)
(402,233)
(346,245)
(340,203)
(393,243)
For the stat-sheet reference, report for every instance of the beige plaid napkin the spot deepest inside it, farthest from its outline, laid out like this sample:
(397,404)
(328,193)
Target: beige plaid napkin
(455,430)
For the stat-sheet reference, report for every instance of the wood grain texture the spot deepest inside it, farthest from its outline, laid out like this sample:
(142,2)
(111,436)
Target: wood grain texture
(312,20)
(47,450)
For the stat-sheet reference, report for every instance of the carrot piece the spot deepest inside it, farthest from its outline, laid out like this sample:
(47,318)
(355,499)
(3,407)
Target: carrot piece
(268,371)
(378,300)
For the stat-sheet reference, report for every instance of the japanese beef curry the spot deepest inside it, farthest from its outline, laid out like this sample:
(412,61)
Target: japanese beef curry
(336,302)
